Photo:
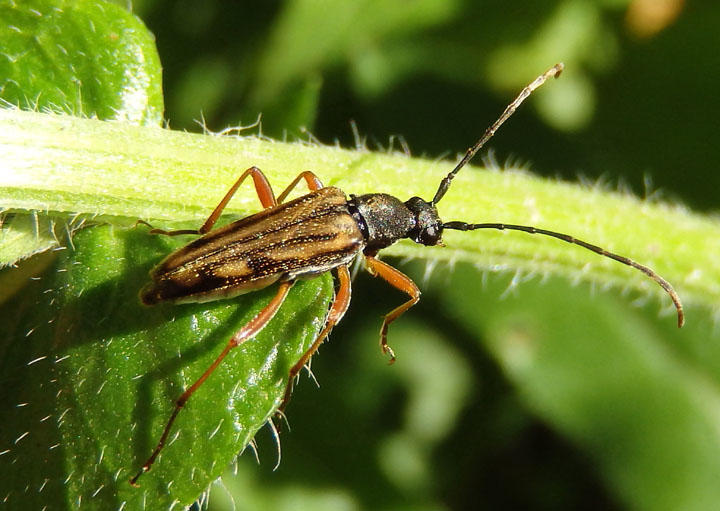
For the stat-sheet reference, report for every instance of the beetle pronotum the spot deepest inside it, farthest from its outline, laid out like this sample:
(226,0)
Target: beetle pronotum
(314,234)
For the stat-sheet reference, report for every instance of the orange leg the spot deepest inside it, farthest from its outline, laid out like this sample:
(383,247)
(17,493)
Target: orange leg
(337,311)
(250,330)
(398,280)
(264,193)
(313,183)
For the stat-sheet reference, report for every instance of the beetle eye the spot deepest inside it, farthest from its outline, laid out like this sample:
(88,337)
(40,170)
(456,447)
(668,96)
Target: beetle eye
(430,236)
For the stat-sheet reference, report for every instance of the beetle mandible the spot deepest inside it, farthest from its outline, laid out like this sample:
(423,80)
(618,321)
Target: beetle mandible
(314,234)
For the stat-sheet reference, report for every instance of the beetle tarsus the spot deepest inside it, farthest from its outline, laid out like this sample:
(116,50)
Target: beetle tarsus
(387,350)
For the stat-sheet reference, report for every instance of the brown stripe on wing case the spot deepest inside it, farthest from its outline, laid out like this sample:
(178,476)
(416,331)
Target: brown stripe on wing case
(213,278)
(314,205)
(266,223)
(309,255)
(316,218)
(330,222)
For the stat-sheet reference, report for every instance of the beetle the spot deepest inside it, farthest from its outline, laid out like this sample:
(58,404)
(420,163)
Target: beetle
(313,234)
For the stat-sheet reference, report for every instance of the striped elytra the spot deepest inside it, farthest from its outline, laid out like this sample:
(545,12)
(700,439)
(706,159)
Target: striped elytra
(300,238)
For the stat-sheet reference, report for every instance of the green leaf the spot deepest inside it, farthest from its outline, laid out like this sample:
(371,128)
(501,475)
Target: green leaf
(88,58)
(24,234)
(90,377)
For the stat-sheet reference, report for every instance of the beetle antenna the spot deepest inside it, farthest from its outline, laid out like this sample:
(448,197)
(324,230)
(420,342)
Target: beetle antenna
(472,151)
(462,226)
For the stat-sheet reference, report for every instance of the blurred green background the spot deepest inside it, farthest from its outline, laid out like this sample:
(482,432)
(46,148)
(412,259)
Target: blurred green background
(458,424)
(509,391)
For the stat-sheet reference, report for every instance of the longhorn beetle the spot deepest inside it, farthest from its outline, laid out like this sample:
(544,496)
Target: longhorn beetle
(314,234)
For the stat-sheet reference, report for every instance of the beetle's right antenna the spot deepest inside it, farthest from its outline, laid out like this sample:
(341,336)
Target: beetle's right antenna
(445,183)
(463,226)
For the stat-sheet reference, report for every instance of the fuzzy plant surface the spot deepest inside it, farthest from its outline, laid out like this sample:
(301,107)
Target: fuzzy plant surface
(89,375)
(114,172)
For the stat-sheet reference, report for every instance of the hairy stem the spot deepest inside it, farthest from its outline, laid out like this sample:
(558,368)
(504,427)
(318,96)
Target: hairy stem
(118,173)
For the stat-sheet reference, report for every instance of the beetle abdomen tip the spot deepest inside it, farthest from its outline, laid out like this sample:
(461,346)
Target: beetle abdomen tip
(150,294)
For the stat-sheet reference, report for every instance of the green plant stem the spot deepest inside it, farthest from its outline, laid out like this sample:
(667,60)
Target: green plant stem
(118,173)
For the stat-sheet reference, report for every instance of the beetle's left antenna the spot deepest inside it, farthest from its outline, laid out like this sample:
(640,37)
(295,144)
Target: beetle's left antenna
(445,183)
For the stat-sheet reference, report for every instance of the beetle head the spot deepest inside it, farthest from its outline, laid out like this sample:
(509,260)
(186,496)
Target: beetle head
(428,226)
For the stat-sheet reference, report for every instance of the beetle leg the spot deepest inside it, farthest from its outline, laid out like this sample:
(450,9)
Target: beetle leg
(400,281)
(338,309)
(264,193)
(313,183)
(250,330)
